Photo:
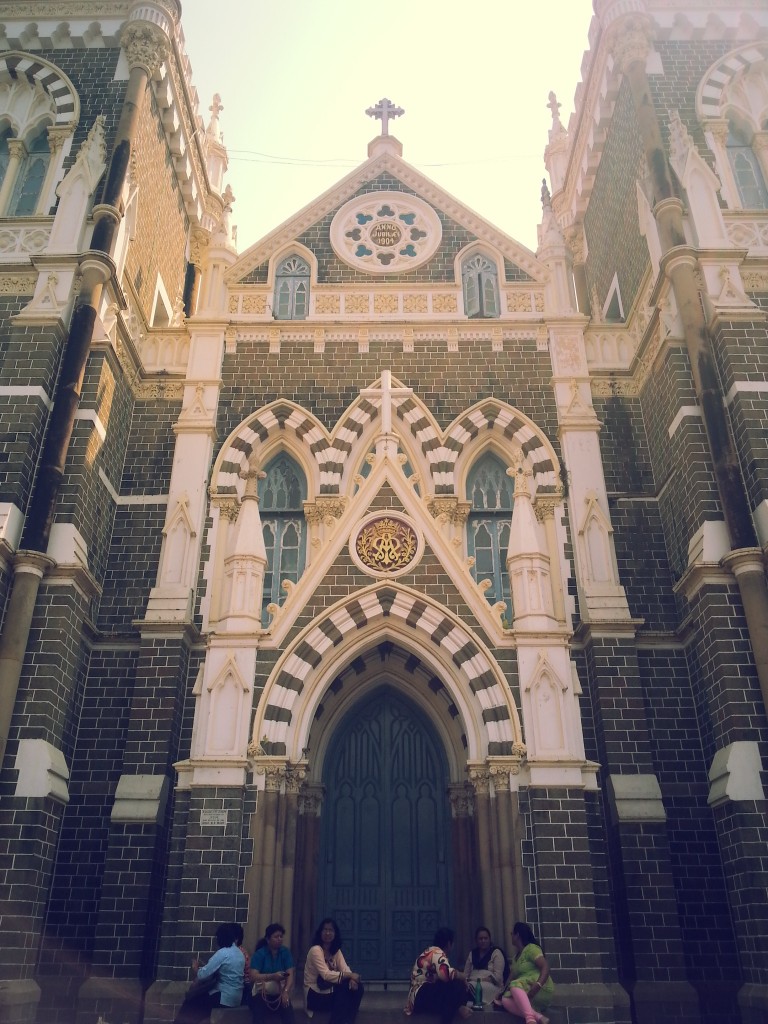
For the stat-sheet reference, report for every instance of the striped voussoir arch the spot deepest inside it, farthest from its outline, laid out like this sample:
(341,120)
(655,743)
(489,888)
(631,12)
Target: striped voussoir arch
(55,83)
(721,74)
(425,619)
(330,454)
(441,454)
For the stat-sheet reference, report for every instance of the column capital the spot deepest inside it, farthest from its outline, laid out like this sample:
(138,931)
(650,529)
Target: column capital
(145,46)
(545,504)
(294,777)
(275,773)
(631,40)
(479,778)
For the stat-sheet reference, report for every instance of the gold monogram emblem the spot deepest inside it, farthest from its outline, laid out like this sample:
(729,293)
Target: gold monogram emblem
(386,544)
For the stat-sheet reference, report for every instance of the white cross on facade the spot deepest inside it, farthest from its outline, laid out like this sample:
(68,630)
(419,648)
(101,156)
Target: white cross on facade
(383,111)
(386,393)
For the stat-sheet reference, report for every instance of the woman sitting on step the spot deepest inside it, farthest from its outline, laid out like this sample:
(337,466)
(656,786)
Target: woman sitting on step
(436,987)
(530,987)
(329,983)
(272,973)
(486,964)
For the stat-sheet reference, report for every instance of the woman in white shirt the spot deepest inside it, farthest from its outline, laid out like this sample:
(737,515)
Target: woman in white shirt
(329,982)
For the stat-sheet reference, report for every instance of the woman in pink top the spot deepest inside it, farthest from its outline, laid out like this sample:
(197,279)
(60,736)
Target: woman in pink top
(329,982)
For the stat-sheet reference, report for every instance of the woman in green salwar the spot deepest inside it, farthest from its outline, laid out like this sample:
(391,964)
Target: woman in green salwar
(530,987)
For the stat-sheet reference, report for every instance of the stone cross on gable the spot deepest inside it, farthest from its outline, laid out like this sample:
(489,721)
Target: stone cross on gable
(386,393)
(383,111)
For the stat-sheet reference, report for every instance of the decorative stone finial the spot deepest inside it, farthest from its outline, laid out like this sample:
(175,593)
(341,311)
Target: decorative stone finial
(213,131)
(383,111)
(554,106)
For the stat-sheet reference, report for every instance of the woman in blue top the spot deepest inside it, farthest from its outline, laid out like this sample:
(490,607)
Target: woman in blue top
(224,970)
(272,973)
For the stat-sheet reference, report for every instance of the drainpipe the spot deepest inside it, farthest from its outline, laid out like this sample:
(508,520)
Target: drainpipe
(631,46)
(145,43)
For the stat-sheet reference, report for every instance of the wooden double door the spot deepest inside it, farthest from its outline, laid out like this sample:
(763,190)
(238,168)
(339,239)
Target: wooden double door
(384,866)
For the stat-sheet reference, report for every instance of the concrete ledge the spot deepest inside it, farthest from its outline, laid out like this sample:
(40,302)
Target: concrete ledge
(113,999)
(735,774)
(18,1001)
(670,1000)
(43,771)
(635,798)
(162,1000)
(753,1003)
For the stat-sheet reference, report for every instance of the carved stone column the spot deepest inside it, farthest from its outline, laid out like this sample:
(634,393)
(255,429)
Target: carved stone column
(294,778)
(480,778)
(510,874)
(260,877)
(577,245)
(545,507)
(18,151)
(464,859)
(308,850)
(198,243)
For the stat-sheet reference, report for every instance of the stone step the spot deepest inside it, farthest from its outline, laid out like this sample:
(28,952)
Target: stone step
(383,1004)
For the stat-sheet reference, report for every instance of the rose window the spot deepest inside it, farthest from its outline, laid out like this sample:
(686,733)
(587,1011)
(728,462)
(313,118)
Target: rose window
(385,232)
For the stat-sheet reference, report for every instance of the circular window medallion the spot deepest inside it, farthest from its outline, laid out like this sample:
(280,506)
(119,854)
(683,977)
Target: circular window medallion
(385,232)
(385,544)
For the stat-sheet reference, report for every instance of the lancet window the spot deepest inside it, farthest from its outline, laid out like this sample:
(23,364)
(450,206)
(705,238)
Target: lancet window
(480,282)
(291,289)
(747,172)
(490,493)
(31,177)
(281,496)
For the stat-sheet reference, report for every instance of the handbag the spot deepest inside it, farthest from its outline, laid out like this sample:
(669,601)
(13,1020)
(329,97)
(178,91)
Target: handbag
(270,991)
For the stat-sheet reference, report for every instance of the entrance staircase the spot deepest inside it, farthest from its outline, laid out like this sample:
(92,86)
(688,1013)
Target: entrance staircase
(382,1004)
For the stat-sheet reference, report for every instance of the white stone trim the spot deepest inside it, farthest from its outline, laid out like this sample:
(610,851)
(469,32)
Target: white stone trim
(755,387)
(140,798)
(735,774)
(43,771)
(67,545)
(90,415)
(19,391)
(683,413)
(131,499)
(635,798)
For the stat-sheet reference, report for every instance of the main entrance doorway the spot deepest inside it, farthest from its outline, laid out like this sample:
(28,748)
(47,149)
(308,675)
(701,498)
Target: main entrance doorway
(385,852)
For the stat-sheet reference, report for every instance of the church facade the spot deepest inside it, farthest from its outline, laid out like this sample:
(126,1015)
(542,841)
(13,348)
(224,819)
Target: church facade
(384,568)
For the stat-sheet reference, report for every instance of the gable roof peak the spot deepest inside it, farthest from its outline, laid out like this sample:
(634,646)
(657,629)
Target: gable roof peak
(385,145)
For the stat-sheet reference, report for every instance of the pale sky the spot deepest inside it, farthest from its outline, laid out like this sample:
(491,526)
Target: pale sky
(296,76)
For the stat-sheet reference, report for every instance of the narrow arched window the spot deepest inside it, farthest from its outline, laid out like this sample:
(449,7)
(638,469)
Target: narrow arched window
(32,172)
(5,153)
(281,503)
(746,170)
(480,282)
(490,493)
(291,289)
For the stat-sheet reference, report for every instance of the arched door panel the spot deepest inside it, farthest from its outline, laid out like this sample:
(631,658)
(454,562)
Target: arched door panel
(385,839)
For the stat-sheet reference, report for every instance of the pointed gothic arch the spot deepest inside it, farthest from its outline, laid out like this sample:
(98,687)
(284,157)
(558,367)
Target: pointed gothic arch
(330,459)
(309,665)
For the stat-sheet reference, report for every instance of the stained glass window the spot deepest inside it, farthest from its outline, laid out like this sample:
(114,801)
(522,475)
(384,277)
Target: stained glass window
(481,287)
(281,496)
(490,492)
(31,177)
(292,289)
(746,170)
